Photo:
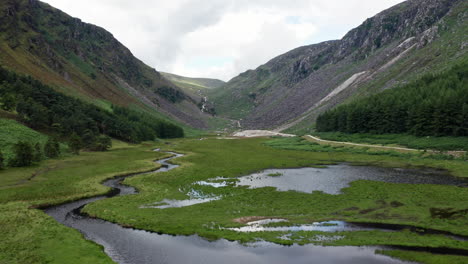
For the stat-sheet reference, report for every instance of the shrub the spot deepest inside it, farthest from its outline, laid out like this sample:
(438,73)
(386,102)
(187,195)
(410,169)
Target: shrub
(75,144)
(52,148)
(23,155)
(103,143)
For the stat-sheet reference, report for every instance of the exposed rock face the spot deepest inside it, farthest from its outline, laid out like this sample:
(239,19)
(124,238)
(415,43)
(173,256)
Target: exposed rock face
(402,21)
(63,51)
(384,48)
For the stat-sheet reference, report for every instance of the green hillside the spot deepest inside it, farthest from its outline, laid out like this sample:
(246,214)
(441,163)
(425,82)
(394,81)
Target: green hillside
(193,86)
(203,83)
(12,132)
(392,48)
(41,107)
(434,105)
(84,61)
(79,124)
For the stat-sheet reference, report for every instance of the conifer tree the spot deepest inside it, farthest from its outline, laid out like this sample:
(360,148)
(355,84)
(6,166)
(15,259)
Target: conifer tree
(52,148)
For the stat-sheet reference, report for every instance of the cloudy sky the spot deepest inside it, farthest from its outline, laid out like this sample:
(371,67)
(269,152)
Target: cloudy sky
(220,38)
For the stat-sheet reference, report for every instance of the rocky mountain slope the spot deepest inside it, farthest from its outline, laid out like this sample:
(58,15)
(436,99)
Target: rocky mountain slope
(391,48)
(87,62)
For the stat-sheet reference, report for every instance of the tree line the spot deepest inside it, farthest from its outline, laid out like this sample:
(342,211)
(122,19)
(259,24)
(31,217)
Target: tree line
(434,105)
(41,107)
(25,154)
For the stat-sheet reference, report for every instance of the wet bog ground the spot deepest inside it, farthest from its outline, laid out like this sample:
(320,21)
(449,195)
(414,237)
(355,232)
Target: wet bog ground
(126,245)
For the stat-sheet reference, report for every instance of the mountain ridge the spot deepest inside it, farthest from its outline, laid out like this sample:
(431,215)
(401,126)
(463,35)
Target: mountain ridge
(208,83)
(86,61)
(392,47)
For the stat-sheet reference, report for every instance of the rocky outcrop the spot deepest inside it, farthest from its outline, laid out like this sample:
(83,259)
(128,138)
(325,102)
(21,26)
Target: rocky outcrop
(402,21)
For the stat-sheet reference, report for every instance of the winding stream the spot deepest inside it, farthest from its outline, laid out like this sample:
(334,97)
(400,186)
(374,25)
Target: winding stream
(130,246)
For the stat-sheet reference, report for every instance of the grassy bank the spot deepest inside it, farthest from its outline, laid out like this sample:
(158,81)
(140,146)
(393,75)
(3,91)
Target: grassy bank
(363,201)
(435,143)
(31,236)
(310,143)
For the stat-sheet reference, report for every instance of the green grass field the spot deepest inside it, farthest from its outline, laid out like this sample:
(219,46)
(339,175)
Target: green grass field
(29,234)
(364,201)
(310,144)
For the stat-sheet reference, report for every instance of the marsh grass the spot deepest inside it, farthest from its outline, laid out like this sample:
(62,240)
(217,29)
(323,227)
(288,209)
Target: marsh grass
(277,174)
(31,236)
(410,141)
(363,201)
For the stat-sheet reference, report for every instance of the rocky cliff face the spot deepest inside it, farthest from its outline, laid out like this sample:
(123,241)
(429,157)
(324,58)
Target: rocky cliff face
(84,60)
(392,47)
(400,22)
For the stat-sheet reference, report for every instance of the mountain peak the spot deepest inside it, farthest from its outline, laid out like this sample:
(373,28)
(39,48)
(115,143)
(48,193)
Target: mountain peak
(402,21)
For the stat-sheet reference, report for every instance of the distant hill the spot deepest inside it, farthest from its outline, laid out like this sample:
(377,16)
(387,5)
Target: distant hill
(86,62)
(392,48)
(188,82)
(197,88)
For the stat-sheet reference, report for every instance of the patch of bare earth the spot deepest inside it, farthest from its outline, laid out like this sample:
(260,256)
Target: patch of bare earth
(260,133)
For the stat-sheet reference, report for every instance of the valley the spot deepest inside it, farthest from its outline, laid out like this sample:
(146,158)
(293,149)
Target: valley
(386,51)
(421,206)
(351,150)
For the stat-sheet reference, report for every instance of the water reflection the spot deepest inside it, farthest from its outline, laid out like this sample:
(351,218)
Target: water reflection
(327,226)
(130,246)
(334,178)
(166,203)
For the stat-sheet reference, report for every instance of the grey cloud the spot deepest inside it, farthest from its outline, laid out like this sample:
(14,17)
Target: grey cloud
(156,31)
(189,17)
(275,40)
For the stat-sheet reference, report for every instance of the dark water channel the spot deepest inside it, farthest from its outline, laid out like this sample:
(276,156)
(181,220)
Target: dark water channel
(130,246)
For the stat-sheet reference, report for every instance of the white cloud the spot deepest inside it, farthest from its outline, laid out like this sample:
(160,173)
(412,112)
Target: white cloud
(220,38)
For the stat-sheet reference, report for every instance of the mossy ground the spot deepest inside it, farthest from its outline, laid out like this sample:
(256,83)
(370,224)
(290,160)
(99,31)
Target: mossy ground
(29,234)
